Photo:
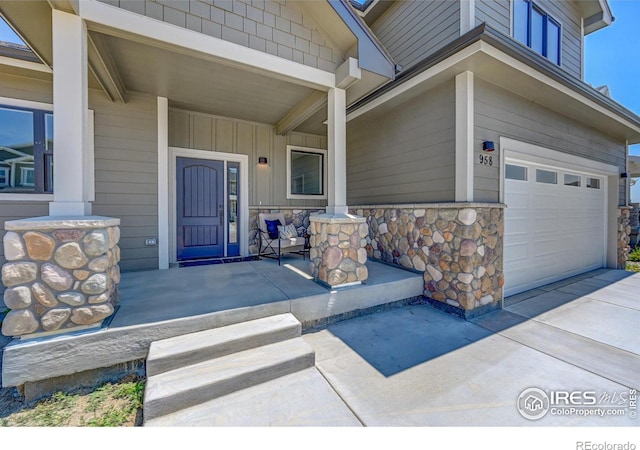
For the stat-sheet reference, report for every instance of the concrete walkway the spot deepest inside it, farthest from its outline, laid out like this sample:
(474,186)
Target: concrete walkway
(416,366)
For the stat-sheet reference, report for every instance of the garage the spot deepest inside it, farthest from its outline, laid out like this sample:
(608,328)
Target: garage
(555,220)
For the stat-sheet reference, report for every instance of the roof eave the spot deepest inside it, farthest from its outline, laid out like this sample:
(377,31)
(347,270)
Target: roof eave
(372,55)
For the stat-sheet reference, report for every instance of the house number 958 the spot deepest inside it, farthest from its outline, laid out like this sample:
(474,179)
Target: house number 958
(486,160)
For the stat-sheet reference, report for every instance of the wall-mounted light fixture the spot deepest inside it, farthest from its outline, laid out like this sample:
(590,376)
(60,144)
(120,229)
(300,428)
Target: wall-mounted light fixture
(488,146)
(624,175)
(262,160)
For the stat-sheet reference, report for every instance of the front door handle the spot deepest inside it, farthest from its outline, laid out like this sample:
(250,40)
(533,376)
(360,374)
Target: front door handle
(221,214)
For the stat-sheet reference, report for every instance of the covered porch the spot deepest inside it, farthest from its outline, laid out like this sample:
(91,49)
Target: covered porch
(157,305)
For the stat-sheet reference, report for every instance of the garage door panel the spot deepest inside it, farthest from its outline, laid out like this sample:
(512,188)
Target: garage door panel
(552,231)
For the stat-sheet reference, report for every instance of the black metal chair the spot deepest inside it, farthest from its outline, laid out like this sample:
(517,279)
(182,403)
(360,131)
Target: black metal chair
(272,245)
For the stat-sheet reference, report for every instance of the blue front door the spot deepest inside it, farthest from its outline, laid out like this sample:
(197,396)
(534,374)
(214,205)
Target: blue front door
(200,208)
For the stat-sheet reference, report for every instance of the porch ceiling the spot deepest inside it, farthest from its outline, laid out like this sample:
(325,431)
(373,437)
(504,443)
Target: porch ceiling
(202,85)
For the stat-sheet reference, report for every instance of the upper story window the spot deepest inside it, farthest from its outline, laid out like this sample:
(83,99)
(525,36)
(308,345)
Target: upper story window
(537,29)
(26,150)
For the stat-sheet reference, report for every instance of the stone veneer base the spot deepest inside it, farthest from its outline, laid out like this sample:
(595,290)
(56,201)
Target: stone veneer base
(457,246)
(337,253)
(61,274)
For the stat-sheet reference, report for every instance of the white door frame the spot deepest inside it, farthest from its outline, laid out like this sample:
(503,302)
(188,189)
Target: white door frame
(517,150)
(243,223)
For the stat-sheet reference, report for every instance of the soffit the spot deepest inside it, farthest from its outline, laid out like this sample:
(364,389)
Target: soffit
(202,85)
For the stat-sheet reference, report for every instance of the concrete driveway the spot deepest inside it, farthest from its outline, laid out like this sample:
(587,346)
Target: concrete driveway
(416,366)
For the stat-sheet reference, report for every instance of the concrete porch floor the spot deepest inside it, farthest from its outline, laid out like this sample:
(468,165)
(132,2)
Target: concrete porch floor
(416,366)
(157,304)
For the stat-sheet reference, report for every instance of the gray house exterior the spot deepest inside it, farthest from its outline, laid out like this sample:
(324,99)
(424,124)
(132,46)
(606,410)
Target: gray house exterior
(477,159)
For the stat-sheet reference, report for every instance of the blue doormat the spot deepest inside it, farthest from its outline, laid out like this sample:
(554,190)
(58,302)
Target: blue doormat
(206,262)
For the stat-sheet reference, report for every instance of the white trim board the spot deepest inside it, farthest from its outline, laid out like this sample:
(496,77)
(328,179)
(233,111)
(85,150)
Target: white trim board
(243,224)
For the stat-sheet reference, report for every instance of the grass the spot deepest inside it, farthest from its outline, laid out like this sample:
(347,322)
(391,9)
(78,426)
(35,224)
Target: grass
(109,405)
(634,256)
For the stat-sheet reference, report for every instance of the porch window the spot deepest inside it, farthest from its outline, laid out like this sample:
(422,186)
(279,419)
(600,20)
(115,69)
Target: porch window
(306,173)
(537,29)
(26,150)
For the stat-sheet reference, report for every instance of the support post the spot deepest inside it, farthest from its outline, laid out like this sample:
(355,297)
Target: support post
(70,125)
(337,154)
(464,137)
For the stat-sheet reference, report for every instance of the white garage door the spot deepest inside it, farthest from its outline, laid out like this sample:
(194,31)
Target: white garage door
(554,224)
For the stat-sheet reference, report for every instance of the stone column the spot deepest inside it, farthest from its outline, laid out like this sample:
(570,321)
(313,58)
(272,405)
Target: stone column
(61,274)
(338,255)
(624,236)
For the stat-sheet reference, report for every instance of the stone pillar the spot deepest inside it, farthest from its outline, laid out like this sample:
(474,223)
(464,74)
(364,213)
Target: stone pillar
(338,255)
(61,274)
(624,233)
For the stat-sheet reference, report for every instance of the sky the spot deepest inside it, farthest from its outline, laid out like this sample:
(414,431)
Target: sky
(612,57)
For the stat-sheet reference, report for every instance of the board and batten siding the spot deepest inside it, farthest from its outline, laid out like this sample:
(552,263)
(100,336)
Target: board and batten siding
(267,184)
(126,173)
(412,30)
(501,113)
(404,153)
(275,27)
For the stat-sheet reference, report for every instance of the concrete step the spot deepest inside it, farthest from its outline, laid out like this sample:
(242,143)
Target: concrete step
(303,398)
(191,385)
(180,351)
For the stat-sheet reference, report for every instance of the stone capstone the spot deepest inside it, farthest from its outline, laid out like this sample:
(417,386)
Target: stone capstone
(39,246)
(70,256)
(19,322)
(14,274)
(91,314)
(13,247)
(17,297)
(52,320)
(55,277)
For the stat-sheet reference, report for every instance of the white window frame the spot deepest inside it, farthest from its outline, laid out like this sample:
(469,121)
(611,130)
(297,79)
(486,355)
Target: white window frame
(4,172)
(26,197)
(323,196)
(560,62)
(23,176)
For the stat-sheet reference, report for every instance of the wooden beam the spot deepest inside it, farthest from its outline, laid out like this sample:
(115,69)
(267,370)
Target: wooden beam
(104,69)
(301,112)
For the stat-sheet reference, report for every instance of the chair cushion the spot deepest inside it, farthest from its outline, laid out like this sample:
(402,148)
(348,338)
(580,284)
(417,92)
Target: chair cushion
(272,228)
(288,231)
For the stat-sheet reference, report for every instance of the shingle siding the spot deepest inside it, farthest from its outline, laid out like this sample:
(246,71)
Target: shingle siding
(242,21)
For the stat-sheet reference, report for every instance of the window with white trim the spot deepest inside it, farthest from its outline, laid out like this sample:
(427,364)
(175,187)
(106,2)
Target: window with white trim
(26,150)
(4,176)
(306,173)
(536,29)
